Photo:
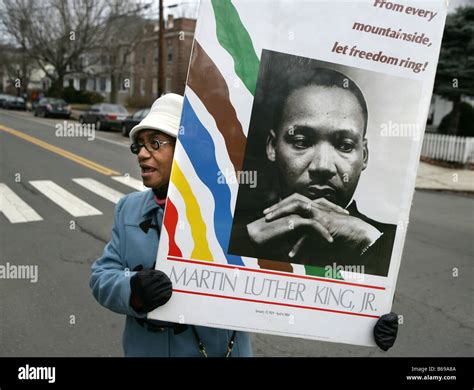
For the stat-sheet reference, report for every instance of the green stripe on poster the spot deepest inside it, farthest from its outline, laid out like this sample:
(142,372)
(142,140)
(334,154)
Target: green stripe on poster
(320,271)
(234,38)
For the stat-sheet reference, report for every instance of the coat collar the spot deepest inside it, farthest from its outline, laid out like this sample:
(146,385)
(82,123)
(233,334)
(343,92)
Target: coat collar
(149,204)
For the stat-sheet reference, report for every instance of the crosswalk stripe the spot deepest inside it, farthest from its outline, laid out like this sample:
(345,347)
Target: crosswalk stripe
(14,208)
(131,182)
(100,189)
(64,199)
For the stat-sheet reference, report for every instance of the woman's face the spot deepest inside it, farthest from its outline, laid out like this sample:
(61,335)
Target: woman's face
(156,165)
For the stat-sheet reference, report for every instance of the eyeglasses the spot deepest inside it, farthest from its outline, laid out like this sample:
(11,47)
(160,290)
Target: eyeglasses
(154,145)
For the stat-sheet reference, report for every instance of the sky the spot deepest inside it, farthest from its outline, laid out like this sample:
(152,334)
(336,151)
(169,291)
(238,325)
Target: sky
(189,8)
(453,4)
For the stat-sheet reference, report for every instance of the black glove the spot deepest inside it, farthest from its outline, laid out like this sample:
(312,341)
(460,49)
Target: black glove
(385,331)
(150,289)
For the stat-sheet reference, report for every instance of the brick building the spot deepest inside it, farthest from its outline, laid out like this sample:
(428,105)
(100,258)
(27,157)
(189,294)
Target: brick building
(178,38)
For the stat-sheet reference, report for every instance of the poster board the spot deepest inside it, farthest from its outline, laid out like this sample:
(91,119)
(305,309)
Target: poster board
(288,103)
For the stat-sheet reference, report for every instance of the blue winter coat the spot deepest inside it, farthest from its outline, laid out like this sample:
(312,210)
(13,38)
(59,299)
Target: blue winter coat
(110,283)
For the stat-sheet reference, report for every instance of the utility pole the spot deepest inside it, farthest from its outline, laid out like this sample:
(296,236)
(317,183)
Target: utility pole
(161,50)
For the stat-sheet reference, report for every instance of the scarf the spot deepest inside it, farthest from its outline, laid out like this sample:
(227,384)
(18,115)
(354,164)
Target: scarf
(160,196)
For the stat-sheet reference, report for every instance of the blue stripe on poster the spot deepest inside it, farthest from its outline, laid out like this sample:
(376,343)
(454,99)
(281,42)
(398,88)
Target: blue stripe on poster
(200,148)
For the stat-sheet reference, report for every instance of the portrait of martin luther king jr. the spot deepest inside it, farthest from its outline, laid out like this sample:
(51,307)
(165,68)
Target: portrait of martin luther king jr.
(318,147)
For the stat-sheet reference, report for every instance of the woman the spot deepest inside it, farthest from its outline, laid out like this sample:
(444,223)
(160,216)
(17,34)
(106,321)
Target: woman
(124,279)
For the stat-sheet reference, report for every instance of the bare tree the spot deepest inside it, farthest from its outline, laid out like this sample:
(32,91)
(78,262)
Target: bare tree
(55,32)
(17,68)
(186,10)
(122,32)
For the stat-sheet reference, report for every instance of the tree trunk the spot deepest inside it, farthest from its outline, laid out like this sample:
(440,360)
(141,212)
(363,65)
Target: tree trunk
(455,116)
(57,85)
(113,88)
(19,88)
(26,80)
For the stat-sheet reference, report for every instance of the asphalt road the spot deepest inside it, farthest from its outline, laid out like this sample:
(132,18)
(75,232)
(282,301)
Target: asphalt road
(57,316)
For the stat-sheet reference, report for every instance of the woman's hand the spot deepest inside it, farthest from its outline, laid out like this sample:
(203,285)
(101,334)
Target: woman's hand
(385,331)
(150,289)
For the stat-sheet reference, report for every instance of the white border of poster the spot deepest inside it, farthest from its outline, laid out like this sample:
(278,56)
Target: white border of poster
(390,51)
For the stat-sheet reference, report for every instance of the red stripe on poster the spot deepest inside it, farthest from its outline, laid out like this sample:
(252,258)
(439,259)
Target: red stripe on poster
(275,303)
(170,223)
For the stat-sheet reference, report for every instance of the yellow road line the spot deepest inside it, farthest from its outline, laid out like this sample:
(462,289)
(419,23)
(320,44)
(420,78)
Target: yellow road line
(64,153)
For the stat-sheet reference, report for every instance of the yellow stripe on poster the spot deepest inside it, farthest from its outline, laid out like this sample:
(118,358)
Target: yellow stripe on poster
(64,153)
(201,249)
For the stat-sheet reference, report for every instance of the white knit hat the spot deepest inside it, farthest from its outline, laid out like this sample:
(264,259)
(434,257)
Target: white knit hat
(164,116)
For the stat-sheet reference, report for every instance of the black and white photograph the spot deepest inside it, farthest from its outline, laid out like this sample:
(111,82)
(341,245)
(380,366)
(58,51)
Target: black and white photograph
(314,132)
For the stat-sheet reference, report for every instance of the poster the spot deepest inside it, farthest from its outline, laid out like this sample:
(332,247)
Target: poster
(296,162)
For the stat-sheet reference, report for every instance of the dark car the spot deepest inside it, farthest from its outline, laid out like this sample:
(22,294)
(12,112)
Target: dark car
(4,99)
(15,103)
(34,104)
(105,116)
(53,107)
(133,120)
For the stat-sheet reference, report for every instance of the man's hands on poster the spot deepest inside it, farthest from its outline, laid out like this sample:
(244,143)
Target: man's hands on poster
(321,223)
(150,289)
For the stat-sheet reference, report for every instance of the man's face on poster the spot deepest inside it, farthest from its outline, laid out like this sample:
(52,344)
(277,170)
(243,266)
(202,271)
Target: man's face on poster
(319,146)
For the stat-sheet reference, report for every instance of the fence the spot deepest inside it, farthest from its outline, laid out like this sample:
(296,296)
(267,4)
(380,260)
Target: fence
(448,148)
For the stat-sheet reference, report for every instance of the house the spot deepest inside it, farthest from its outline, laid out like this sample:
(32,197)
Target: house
(92,73)
(439,108)
(137,75)
(179,36)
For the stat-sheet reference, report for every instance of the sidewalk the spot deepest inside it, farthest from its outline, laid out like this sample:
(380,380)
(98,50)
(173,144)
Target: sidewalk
(433,177)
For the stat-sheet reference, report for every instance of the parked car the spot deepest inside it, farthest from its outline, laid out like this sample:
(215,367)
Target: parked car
(34,104)
(15,103)
(4,98)
(105,116)
(52,107)
(133,120)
